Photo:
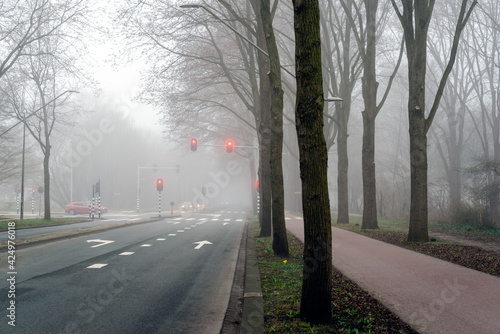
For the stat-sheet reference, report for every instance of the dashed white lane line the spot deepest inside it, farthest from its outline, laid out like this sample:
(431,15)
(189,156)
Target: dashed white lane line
(172,235)
(190,218)
(180,231)
(187,228)
(227,220)
(215,219)
(161,239)
(126,253)
(97,266)
(179,218)
(146,245)
(239,220)
(135,219)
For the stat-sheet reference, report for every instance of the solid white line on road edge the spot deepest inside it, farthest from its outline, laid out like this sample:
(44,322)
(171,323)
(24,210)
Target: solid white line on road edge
(146,245)
(126,253)
(135,219)
(97,266)
(161,239)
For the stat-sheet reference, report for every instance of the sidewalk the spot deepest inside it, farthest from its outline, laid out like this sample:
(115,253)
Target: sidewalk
(431,295)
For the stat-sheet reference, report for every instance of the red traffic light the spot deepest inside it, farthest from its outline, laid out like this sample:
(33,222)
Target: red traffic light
(159,184)
(194,144)
(33,191)
(229,146)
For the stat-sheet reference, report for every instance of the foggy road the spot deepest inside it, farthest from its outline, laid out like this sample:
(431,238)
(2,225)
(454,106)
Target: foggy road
(170,276)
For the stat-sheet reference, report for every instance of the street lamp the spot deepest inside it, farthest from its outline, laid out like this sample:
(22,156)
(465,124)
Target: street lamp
(194,6)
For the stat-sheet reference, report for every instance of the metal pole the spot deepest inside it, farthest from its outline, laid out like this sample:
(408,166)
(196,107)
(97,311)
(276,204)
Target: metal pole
(33,201)
(138,189)
(159,204)
(21,217)
(235,31)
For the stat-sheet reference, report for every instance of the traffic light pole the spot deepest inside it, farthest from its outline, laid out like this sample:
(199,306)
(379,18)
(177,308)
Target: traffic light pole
(138,194)
(159,204)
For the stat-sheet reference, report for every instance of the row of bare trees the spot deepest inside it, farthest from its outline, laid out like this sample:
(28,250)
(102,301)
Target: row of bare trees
(40,44)
(199,65)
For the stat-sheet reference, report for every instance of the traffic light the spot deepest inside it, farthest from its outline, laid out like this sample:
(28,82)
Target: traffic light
(229,146)
(33,191)
(159,184)
(194,144)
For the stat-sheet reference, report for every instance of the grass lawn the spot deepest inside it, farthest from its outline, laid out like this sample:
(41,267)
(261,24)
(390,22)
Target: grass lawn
(354,310)
(34,222)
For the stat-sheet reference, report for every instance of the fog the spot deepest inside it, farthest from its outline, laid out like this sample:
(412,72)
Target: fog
(151,78)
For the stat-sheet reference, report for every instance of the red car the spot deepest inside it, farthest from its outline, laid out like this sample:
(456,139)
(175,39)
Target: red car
(75,208)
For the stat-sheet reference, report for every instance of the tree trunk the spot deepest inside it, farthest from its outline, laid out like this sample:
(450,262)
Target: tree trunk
(343,168)
(369,88)
(368,173)
(264,134)
(315,305)
(280,241)
(418,231)
(46,181)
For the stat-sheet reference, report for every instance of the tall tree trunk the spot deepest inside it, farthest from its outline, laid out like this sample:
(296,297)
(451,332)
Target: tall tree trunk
(369,88)
(280,242)
(46,181)
(342,166)
(264,128)
(315,305)
(418,231)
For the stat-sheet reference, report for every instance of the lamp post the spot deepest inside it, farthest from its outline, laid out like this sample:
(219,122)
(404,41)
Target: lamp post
(211,12)
(21,215)
(194,6)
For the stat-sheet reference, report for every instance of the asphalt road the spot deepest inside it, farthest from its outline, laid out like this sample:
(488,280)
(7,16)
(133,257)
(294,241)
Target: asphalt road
(170,276)
(106,219)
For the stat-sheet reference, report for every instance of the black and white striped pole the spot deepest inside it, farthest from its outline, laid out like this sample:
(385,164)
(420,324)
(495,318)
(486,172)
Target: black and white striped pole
(159,187)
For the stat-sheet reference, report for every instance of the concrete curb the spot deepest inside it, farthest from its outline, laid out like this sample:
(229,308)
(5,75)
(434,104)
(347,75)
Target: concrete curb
(253,303)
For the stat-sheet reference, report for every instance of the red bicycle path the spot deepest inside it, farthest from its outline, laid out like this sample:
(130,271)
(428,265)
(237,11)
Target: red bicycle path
(431,295)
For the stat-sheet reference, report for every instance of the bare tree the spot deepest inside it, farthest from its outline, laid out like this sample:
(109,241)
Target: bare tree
(415,18)
(366,38)
(23,23)
(315,305)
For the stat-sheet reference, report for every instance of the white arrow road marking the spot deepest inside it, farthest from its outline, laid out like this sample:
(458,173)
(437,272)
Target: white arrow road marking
(97,266)
(201,243)
(102,242)
(126,253)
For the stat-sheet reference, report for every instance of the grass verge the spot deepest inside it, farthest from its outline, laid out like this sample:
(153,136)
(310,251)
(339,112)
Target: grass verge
(39,222)
(354,310)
